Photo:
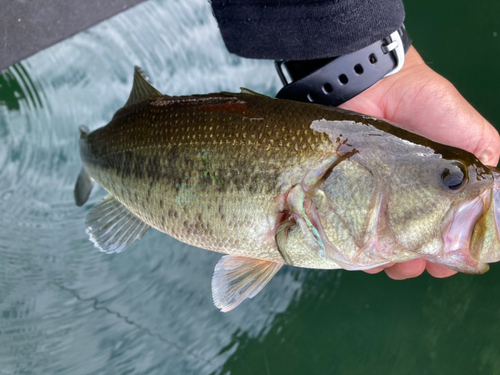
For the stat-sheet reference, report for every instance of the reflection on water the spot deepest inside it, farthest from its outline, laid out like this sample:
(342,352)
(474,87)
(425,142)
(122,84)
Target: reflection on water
(66,308)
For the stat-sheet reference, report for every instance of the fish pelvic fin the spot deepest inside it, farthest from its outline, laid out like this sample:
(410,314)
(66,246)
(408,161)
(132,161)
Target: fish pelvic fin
(141,89)
(112,227)
(237,278)
(83,187)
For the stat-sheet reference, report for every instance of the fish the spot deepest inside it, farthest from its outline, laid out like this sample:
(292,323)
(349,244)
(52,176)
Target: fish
(271,182)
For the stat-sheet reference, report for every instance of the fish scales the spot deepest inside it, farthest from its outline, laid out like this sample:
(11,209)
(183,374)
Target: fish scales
(206,171)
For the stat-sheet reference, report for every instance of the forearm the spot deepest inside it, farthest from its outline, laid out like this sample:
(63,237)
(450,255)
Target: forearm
(304,29)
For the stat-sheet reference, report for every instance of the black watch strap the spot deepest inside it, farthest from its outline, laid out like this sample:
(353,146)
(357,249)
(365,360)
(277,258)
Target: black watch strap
(346,76)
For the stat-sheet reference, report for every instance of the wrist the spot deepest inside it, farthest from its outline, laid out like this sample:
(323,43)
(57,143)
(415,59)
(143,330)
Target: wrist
(414,64)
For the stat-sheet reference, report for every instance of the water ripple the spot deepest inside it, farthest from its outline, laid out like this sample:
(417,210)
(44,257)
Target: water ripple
(64,307)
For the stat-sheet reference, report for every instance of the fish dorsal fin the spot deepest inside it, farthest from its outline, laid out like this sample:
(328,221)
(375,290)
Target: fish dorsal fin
(112,227)
(250,92)
(84,130)
(141,89)
(237,278)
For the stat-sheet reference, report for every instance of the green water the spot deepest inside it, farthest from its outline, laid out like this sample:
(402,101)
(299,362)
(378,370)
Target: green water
(66,308)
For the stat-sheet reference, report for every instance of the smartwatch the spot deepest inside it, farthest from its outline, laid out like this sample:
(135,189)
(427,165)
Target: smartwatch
(336,80)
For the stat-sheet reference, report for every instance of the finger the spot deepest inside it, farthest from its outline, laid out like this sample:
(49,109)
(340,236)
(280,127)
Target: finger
(489,156)
(487,146)
(438,270)
(406,270)
(378,269)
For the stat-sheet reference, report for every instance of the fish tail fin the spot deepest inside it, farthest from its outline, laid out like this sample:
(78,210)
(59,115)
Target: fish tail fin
(83,185)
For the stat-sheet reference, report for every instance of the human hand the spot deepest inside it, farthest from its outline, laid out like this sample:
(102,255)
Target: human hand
(422,101)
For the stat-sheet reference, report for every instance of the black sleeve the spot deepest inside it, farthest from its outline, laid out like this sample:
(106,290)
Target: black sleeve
(304,29)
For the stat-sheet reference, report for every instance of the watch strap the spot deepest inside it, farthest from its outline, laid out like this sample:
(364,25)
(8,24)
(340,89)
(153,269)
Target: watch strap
(348,75)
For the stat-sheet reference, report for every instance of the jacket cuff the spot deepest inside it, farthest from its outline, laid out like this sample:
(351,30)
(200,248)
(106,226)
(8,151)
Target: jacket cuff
(304,29)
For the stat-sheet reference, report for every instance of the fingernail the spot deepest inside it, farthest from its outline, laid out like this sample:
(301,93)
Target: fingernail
(489,157)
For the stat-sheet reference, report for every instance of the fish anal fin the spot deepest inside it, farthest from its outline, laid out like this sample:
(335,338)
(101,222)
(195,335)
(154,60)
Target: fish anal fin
(83,188)
(141,89)
(112,227)
(237,278)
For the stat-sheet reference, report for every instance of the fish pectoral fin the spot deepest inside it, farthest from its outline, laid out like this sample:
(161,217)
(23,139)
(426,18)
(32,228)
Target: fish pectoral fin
(303,210)
(281,238)
(141,89)
(83,188)
(237,278)
(112,227)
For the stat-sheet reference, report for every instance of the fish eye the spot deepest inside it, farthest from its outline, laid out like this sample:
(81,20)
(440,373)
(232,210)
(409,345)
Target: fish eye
(454,176)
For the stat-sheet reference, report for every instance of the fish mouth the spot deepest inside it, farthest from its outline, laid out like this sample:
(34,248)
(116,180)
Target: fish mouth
(485,239)
(471,232)
(457,234)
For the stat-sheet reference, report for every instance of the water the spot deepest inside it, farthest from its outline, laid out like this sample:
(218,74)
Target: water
(66,308)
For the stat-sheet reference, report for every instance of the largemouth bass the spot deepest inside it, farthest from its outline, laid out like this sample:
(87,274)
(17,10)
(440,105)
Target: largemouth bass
(272,182)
